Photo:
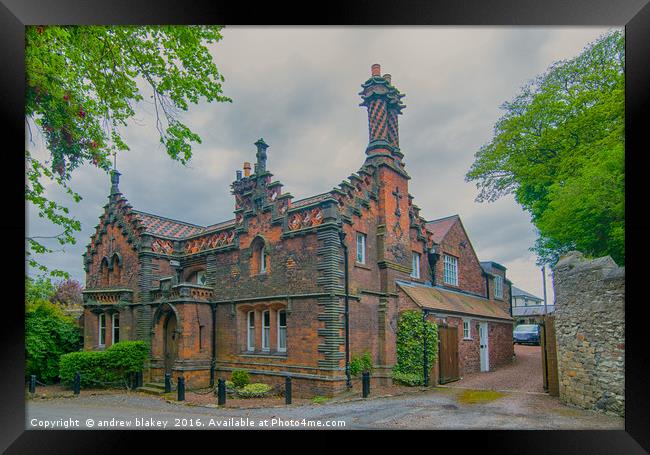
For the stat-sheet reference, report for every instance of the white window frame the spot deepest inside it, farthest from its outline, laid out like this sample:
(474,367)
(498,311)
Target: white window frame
(415,265)
(250,331)
(450,274)
(266,331)
(101,325)
(467,324)
(361,247)
(281,329)
(115,316)
(498,287)
(262,260)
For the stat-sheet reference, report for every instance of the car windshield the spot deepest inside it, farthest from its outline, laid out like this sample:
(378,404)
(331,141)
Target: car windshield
(526,328)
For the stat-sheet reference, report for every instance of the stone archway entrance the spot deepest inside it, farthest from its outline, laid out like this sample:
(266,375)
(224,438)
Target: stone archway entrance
(170,348)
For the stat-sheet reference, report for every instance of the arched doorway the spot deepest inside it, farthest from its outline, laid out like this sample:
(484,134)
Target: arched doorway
(171,341)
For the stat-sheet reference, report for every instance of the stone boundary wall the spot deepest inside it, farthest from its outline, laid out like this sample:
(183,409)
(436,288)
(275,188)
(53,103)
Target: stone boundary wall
(590,331)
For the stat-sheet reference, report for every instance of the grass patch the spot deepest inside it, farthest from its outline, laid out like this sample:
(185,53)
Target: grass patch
(319,400)
(478,396)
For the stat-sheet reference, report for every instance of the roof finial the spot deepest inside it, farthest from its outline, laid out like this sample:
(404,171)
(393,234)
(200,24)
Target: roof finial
(115,176)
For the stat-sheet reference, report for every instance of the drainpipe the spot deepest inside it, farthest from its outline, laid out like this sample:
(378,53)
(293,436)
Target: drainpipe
(346,313)
(214,343)
(487,286)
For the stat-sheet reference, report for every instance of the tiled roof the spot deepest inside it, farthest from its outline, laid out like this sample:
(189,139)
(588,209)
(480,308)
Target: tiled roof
(440,227)
(161,226)
(445,301)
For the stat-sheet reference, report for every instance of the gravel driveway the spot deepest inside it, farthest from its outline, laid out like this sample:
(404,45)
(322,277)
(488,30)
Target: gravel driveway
(524,374)
(434,409)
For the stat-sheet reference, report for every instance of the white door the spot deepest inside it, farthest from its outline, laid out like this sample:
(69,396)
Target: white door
(485,351)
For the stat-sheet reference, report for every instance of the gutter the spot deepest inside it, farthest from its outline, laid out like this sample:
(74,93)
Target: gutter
(346,313)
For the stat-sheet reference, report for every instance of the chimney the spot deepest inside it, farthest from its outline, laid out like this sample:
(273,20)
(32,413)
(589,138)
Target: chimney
(247,169)
(384,104)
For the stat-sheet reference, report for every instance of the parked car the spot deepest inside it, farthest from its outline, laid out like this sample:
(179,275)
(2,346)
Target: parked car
(526,333)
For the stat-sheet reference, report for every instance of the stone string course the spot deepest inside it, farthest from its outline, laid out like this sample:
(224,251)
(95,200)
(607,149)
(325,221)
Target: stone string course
(590,330)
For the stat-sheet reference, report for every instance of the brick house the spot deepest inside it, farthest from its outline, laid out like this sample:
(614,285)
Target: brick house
(267,291)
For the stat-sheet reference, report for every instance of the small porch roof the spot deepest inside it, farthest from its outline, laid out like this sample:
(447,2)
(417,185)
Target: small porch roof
(444,301)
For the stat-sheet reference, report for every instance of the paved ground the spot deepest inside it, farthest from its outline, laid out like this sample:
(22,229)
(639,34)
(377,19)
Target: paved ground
(524,374)
(434,409)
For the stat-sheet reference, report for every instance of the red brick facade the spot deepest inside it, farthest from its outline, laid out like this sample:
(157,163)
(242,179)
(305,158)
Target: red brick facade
(279,260)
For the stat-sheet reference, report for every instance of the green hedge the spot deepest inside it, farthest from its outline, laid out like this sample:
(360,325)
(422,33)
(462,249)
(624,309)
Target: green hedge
(115,364)
(361,364)
(410,349)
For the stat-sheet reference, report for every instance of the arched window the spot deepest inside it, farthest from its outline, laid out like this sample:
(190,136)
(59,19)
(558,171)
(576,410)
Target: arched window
(103,271)
(260,258)
(117,269)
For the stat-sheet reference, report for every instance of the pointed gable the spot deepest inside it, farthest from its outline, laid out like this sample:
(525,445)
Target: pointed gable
(440,227)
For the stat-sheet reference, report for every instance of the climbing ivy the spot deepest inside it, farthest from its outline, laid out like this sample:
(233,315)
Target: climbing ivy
(410,344)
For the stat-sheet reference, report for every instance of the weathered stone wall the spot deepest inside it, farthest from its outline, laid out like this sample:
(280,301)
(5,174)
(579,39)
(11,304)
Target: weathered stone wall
(590,330)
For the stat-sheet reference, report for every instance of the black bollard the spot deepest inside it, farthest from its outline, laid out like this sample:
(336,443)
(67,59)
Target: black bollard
(221,392)
(32,384)
(76,385)
(168,382)
(287,390)
(181,388)
(365,383)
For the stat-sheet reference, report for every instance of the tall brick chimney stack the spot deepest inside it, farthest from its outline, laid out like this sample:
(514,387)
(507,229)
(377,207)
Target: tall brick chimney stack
(384,104)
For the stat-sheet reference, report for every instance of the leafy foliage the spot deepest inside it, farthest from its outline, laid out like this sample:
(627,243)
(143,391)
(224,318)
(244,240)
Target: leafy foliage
(408,379)
(361,364)
(68,293)
(48,334)
(82,83)
(240,378)
(115,364)
(255,390)
(559,149)
(411,330)
(38,289)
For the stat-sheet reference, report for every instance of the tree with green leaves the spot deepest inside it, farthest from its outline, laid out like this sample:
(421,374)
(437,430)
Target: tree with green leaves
(82,87)
(559,149)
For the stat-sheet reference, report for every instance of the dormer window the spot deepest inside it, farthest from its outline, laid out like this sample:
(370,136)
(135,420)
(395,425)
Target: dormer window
(498,287)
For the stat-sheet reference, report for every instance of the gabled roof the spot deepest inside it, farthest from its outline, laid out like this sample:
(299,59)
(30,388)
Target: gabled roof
(441,226)
(166,227)
(452,302)
(516,292)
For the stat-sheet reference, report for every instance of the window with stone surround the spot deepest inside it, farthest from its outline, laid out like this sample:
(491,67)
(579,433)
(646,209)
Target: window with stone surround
(266,331)
(415,265)
(102,329)
(260,257)
(282,331)
(361,248)
(498,287)
(250,338)
(450,270)
(115,328)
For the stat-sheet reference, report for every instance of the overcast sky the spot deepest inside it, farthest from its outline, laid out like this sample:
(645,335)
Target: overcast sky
(297,87)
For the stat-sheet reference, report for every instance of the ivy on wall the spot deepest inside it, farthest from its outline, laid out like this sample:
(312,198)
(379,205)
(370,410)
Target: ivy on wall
(411,330)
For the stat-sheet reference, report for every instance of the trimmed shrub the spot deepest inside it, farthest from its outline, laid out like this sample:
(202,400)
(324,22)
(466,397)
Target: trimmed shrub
(255,390)
(361,364)
(240,378)
(115,364)
(48,334)
(410,349)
